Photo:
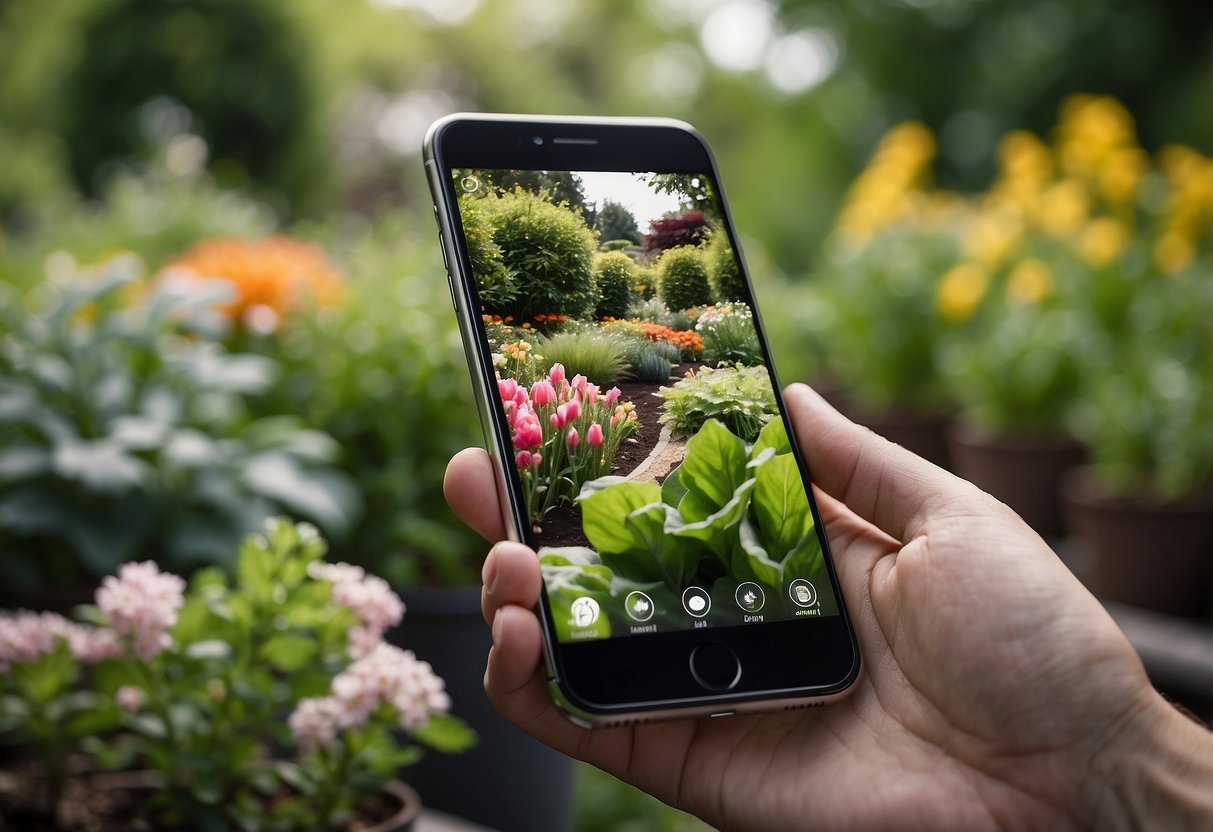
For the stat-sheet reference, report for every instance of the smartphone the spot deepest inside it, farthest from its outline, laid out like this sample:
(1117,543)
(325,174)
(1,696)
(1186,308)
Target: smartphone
(640,442)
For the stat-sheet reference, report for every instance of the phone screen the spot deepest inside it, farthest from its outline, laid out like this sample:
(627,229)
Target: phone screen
(649,448)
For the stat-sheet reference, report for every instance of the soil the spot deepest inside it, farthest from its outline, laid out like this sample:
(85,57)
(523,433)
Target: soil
(562,525)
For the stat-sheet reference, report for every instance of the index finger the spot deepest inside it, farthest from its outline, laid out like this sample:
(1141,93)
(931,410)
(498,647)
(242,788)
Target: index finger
(470,486)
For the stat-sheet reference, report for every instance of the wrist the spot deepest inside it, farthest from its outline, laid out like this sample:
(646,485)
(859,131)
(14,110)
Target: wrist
(1157,773)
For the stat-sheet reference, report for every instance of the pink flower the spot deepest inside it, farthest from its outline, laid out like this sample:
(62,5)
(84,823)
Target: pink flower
(543,393)
(129,698)
(536,459)
(527,433)
(611,395)
(313,723)
(594,435)
(386,675)
(141,603)
(557,419)
(573,409)
(591,394)
(579,383)
(369,597)
(523,459)
(556,374)
(573,438)
(507,387)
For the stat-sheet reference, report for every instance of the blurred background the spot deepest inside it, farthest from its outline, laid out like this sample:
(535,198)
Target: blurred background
(982,226)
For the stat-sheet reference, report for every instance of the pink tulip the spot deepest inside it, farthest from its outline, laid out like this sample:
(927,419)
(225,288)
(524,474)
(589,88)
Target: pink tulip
(594,435)
(573,438)
(543,393)
(556,420)
(523,459)
(521,395)
(507,387)
(591,394)
(556,374)
(536,459)
(612,395)
(572,409)
(579,383)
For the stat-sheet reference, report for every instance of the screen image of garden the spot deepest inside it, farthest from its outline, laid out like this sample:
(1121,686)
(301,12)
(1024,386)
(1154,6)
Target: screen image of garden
(655,468)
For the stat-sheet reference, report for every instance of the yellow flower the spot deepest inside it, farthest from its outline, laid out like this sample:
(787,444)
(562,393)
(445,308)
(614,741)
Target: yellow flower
(1173,252)
(276,272)
(1024,156)
(960,290)
(1103,240)
(1063,207)
(994,233)
(1121,173)
(1030,282)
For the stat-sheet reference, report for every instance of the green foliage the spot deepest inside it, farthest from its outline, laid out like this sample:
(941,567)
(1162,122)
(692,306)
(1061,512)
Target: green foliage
(644,287)
(740,397)
(724,268)
(728,334)
(729,513)
(614,245)
(649,309)
(613,276)
(599,356)
(547,248)
(384,375)
(496,285)
(615,223)
(126,433)
(605,804)
(684,278)
(652,363)
(244,84)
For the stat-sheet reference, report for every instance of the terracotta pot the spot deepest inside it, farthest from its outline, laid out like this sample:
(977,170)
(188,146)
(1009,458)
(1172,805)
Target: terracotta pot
(1148,554)
(1024,472)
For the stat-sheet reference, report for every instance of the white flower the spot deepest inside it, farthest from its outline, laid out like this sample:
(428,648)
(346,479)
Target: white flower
(142,603)
(129,698)
(313,723)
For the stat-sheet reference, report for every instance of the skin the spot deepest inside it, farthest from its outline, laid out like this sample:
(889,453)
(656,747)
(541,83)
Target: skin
(997,694)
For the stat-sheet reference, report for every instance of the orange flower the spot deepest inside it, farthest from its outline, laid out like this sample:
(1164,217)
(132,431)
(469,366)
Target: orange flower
(276,272)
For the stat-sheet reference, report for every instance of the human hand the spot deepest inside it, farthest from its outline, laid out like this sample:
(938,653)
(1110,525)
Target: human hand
(997,691)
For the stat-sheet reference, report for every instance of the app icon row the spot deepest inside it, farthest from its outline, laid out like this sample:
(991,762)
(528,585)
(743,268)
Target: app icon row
(749,596)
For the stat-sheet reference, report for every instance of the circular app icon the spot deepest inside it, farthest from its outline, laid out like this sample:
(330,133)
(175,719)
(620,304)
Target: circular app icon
(750,597)
(802,593)
(470,184)
(585,612)
(696,601)
(639,606)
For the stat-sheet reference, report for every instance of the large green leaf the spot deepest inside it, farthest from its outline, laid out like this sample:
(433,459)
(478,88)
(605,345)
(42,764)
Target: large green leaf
(774,435)
(717,531)
(781,505)
(713,469)
(751,561)
(626,524)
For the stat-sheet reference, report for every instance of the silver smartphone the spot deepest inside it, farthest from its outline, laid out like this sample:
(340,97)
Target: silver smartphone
(639,438)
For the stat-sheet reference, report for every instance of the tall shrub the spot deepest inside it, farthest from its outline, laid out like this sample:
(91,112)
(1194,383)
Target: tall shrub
(684,278)
(548,250)
(497,286)
(724,272)
(613,275)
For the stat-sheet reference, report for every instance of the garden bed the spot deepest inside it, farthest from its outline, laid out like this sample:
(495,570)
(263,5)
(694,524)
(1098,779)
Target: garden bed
(562,525)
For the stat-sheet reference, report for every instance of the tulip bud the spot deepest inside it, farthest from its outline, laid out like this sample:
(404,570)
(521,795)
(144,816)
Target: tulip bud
(573,438)
(594,435)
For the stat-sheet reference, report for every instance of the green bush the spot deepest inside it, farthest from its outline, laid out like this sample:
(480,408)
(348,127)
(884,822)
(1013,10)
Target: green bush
(126,433)
(651,365)
(548,249)
(644,282)
(740,397)
(728,334)
(684,278)
(613,284)
(649,310)
(724,270)
(599,356)
(497,287)
(615,245)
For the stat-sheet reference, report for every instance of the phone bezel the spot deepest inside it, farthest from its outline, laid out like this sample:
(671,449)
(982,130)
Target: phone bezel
(586,676)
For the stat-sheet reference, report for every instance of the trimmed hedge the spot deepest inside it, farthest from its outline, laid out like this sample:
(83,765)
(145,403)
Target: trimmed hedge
(724,272)
(613,276)
(684,278)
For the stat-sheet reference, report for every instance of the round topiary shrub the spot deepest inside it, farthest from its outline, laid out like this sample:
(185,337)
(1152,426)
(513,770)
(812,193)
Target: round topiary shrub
(724,272)
(613,274)
(644,282)
(684,278)
(547,249)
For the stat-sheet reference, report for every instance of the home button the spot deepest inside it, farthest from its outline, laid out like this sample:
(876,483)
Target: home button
(715,666)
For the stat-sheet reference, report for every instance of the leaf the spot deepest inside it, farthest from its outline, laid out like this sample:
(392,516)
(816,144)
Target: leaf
(713,469)
(625,522)
(21,462)
(774,435)
(212,649)
(289,652)
(752,562)
(672,490)
(446,733)
(781,506)
(325,496)
(718,531)
(100,465)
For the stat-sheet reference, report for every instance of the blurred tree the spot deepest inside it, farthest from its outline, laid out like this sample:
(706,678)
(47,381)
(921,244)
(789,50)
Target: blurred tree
(615,222)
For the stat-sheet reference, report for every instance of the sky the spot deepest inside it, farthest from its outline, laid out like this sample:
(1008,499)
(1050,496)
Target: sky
(630,191)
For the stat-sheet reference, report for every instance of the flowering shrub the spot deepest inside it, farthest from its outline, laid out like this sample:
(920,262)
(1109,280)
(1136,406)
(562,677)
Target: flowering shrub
(273,276)
(197,685)
(739,397)
(519,360)
(728,334)
(690,343)
(564,432)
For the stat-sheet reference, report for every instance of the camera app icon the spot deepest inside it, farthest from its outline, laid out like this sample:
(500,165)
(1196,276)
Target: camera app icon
(750,597)
(696,601)
(639,606)
(802,593)
(585,612)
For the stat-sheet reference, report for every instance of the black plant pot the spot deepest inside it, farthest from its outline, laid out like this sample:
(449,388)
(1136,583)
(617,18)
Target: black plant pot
(509,781)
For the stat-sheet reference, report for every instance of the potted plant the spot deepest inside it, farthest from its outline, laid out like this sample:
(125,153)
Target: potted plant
(267,701)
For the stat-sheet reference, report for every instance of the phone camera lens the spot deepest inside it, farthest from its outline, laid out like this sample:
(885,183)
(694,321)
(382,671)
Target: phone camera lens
(470,184)
(538,140)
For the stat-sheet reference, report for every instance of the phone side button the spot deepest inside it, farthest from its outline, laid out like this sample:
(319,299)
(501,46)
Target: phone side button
(715,666)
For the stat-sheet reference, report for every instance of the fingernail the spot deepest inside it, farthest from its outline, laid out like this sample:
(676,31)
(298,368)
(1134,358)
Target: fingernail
(497,627)
(488,574)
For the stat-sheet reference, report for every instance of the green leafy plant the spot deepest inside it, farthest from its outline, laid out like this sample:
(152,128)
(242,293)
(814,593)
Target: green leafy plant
(724,270)
(589,352)
(497,285)
(684,278)
(728,334)
(740,397)
(647,308)
(547,249)
(729,513)
(652,362)
(126,431)
(644,286)
(197,685)
(613,276)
